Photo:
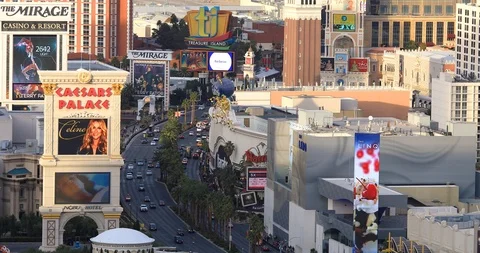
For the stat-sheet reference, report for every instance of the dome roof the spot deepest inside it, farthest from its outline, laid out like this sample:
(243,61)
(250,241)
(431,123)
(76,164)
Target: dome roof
(121,236)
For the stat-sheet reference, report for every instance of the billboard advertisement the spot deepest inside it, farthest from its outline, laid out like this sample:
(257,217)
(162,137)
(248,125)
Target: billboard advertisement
(30,54)
(222,160)
(221,61)
(82,188)
(25,91)
(357,65)
(194,60)
(82,136)
(326,64)
(256,179)
(344,22)
(366,191)
(343,5)
(149,79)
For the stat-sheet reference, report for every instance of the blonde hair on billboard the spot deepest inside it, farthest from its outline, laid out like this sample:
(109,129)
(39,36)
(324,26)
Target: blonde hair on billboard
(88,140)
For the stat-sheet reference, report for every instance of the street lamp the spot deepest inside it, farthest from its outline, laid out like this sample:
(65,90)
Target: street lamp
(281,245)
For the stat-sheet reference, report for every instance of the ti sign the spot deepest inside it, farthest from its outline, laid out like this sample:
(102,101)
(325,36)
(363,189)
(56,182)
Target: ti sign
(209,29)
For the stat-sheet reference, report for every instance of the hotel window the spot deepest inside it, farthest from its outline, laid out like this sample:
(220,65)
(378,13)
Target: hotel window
(385,33)
(374,34)
(86,8)
(427,9)
(451,28)
(71,49)
(22,193)
(459,11)
(405,9)
(86,41)
(86,30)
(396,34)
(394,9)
(71,40)
(416,9)
(438,10)
(429,37)
(474,21)
(383,9)
(406,33)
(86,19)
(459,26)
(418,32)
(449,9)
(439,33)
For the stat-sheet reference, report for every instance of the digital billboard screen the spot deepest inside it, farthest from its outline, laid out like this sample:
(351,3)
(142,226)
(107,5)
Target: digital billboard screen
(30,54)
(221,61)
(194,60)
(327,64)
(149,79)
(82,136)
(256,179)
(344,22)
(82,188)
(25,91)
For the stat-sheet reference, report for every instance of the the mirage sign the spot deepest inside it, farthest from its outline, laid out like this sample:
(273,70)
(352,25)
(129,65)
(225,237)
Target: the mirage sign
(150,55)
(35,11)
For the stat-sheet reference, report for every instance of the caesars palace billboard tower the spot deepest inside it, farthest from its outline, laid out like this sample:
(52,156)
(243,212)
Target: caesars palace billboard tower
(302,46)
(81,158)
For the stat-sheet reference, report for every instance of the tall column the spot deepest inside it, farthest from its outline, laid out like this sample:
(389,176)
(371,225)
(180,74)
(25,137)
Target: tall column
(115,119)
(48,88)
(39,135)
(50,234)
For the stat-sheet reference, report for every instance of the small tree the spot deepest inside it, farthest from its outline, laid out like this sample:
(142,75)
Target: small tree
(100,58)
(115,62)
(411,45)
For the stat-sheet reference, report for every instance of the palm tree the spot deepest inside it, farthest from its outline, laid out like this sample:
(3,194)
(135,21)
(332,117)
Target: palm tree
(255,232)
(185,104)
(229,148)
(193,100)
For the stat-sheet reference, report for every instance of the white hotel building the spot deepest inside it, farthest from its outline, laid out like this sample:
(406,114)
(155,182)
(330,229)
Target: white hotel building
(468,39)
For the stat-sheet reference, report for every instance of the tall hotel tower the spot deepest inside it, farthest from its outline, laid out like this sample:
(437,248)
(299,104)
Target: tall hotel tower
(302,46)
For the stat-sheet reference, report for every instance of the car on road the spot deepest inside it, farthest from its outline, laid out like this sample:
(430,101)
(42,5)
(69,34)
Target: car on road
(153,143)
(153,206)
(129,176)
(204,137)
(181,137)
(161,203)
(146,199)
(149,173)
(201,107)
(152,227)
(143,208)
(185,161)
(141,188)
(131,166)
(265,248)
(199,134)
(180,232)
(195,156)
(144,141)
(190,230)
(150,165)
(139,175)
(155,138)
(178,240)
(156,130)
(157,165)
(199,140)
(128,198)
(140,163)
(190,133)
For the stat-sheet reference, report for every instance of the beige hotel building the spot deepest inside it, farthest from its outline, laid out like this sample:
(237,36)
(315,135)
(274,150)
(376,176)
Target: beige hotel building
(393,23)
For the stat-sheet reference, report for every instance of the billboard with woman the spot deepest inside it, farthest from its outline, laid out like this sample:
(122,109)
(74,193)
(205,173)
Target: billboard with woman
(82,137)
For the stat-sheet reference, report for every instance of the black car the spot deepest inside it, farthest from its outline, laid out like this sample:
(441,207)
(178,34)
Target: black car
(146,199)
(141,187)
(153,206)
(144,141)
(150,165)
(180,232)
(152,227)
(190,230)
(178,240)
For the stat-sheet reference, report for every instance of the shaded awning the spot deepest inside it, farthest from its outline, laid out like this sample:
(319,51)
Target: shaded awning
(18,171)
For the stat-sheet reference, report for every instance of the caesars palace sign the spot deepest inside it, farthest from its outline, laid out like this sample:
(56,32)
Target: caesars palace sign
(96,98)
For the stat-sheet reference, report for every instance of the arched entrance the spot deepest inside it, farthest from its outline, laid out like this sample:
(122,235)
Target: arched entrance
(343,41)
(80,227)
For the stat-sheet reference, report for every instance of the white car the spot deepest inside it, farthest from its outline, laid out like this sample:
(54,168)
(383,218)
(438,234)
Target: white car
(131,166)
(155,138)
(190,133)
(199,139)
(204,137)
(153,143)
(149,172)
(156,130)
(143,208)
(129,176)
(201,107)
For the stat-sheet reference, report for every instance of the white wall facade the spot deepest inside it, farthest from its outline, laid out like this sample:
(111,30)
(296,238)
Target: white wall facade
(302,228)
(438,236)
(268,209)
(255,98)
(442,100)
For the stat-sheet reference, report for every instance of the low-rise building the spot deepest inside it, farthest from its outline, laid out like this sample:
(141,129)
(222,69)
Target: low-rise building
(339,107)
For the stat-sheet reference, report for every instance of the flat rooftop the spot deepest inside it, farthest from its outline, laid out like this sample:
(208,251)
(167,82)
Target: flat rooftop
(348,184)
(387,126)
(268,112)
(90,65)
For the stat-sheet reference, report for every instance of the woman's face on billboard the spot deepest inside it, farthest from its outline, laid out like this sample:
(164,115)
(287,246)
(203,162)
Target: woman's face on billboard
(96,130)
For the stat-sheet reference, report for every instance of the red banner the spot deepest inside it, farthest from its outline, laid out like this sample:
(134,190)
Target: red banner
(358,65)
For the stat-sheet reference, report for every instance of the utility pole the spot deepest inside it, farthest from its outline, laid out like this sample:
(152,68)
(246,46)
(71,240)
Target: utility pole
(230,236)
